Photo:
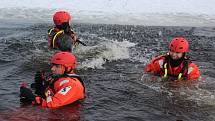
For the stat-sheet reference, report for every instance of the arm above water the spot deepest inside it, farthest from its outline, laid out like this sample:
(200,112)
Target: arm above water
(193,72)
(155,65)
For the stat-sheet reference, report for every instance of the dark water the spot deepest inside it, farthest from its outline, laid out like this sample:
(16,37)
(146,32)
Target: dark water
(112,67)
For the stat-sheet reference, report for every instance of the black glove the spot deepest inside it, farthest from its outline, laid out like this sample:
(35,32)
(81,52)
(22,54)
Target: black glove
(40,83)
(26,94)
(39,77)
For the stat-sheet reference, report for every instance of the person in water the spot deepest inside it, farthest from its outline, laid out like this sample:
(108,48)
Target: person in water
(63,87)
(175,65)
(61,36)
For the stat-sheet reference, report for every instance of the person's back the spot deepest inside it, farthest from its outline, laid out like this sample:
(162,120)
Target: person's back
(174,65)
(62,28)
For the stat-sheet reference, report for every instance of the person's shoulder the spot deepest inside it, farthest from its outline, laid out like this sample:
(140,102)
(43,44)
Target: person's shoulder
(159,57)
(63,80)
(72,32)
(52,30)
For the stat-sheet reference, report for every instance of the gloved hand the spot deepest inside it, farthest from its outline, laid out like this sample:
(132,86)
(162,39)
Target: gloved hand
(40,83)
(26,94)
(39,77)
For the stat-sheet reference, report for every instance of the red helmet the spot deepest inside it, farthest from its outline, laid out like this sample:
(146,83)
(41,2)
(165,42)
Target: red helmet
(66,59)
(179,44)
(61,17)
